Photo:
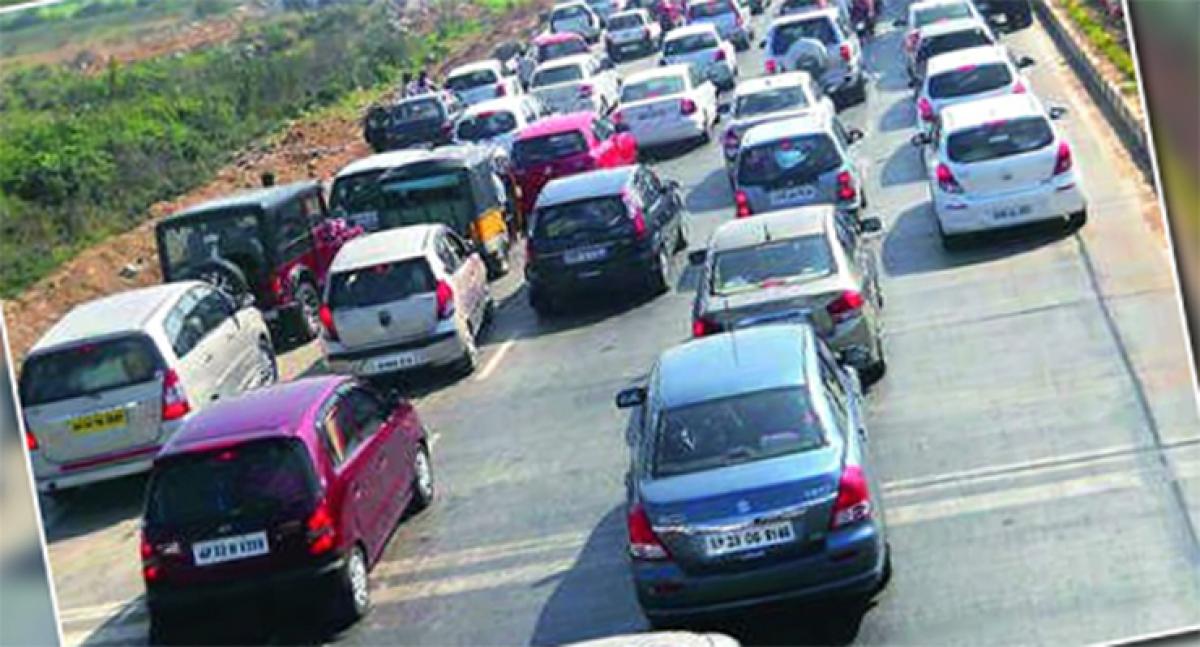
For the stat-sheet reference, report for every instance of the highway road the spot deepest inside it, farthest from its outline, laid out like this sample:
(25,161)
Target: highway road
(1036,432)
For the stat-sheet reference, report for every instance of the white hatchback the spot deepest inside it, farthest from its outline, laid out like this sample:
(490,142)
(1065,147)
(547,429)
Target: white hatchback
(702,45)
(998,163)
(496,123)
(668,105)
(968,75)
(482,81)
(576,83)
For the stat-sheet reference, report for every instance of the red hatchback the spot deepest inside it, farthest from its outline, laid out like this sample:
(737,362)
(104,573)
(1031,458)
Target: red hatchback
(565,145)
(295,488)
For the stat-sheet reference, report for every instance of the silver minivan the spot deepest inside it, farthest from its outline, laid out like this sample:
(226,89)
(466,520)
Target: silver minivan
(402,299)
(822,43)
(110,383)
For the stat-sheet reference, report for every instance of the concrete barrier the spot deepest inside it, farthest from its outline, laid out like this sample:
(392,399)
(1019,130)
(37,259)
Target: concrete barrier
(1128,126)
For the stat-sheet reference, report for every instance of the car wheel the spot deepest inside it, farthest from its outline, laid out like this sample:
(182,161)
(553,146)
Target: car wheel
(470,357)
(1077,220)
(887,569)
(543,306)
(660,280)
(875,371)
(268,362)
(950,242)
(309,301)
(354,587)
(225,276)
(422,485)
(681,243)
(706,136)
(164,628)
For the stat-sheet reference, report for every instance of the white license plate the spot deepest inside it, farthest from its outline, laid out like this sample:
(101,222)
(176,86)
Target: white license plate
(395,362)
(657,113)
(1009,213)
(577,256)
(760,536)
(792,195)
(228,549)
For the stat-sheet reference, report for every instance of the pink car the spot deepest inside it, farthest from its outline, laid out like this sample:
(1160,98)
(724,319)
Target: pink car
(548,47)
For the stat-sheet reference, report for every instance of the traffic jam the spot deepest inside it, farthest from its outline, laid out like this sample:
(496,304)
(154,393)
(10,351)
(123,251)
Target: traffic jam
(622,329)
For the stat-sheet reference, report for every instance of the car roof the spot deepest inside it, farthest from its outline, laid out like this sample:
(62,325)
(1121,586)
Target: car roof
(557,124)
(509,103)
(400,243)
(436,95)
(733,363)
(265,198)
(657,73)
(969,57)
(279,411)
(630,12)
(566,61)
(805,16)
(930,4)
(567,5)
(776,225)
(809,122)
(585,185)
(132,311)
(763,83)
(382,161)
(552,39)
(692,30)
(948,26)
(982,111)
(488,64)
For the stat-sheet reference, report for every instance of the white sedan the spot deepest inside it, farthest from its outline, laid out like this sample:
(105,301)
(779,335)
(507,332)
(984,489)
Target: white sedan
(576,83)
(633,31)
(496,123)
(968,75)
(482,81)
(771,98)
(998,163)
(668,105)
(701,45)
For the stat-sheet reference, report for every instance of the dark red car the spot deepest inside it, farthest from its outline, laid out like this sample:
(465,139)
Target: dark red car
(565,145)
(292,489)
(274,244)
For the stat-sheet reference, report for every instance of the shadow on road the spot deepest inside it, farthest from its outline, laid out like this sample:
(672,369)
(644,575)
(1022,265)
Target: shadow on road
(712,193)
(904,166)
(94,507)
(901,115)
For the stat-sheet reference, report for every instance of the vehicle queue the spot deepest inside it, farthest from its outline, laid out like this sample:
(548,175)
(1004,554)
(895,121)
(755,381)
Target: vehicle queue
(750,477)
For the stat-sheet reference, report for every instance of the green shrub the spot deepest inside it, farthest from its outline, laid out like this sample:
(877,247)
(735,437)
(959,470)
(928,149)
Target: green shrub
(1094,29)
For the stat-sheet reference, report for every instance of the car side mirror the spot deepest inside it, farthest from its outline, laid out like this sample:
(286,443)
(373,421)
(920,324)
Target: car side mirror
(631,397)
(920,139)
(246,300)
(854,135)
(698,257)
(870,225)
(1026,61)
(1058,112)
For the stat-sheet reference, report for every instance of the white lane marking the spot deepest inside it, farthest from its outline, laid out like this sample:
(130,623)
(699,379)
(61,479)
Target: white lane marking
(97,612)
(522,575)
(495,360)
(471,556)
(112,634)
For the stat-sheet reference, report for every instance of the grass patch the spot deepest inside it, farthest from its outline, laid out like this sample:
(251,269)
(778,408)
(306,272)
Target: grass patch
(1094,28)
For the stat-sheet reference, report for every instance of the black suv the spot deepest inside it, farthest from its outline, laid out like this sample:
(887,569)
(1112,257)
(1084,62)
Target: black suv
(419,120)
(602,230)
(1018,14)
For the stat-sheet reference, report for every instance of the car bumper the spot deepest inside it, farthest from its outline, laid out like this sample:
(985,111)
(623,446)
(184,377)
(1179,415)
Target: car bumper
(579,104)
(658,133)
(252,591)
(1050,200)
(609,278)
(852,563)
(634,45)
(438,350)
(60,480)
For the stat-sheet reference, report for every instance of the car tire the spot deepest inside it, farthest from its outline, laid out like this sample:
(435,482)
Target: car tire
(470,357)
(223,275)
(660,278)
(1077,220)
(269,361)
(423,484)
(308,325)
(353,588)
(706,136)
(886,578)
(165,628)
(875,371)
(496,266)
(543,306)
(681,243)
(950,242)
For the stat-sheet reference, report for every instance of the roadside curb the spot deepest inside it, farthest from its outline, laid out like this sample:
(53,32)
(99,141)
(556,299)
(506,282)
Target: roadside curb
(1129,128)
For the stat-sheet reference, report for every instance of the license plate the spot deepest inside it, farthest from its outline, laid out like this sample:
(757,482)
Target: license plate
(1008,213)
(102,421)
(792,195)
(760,536)
(395,362)
(577,256)
(228,549)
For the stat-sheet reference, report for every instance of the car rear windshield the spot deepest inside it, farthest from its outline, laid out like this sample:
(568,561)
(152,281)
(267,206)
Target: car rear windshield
(999,139)
(796,158)
(794,6)
(941,12)
(441,197)
(570,13)
(547,148)
(626,21)
(689,44)
(968,80)
(257,481)
(592,219)
(88,369)
(187,243)
(560,50)
(485,125)
(556,75)
(735,430)
(709,9)
(786,35)
(773,100)
(652,88)
(782,262)
(419,110)
(384,283)
(460,82)
(345,188)
(951,42)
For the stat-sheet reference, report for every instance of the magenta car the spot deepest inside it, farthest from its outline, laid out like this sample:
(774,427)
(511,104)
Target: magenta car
(293,488)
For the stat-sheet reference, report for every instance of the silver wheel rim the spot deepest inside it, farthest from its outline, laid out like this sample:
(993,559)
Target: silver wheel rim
(664,267)
(310,309)
(424,475)
(270,369)
(358,580)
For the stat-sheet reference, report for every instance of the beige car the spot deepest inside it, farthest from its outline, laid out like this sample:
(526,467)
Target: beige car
(110,383)
(402,299)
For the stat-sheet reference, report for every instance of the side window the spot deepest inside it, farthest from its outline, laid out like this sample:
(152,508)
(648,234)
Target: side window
(450,260)
(182,341)
(333,431)
(602,129)
(206,311)
(814,89)
(846,237)
(313,211)
(839,132)
(457,246)
(366,415)
(292,235)
(835,390)
(654,188)
(694,75)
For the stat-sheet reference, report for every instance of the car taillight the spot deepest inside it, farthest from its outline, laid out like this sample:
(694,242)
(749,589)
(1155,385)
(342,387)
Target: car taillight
(277,287)
(618,117)
(687,107)
(853,502)
(31,441)
(174,400)
(1063,162)
(150,568)
(639,223)
(772,66)
(501,90)
(702,327)
(925,109)
(586,90)
(643,543)
(326,316)
(946,180)
(322,533)
(743,204)
(1019,88)
(846,190)
(845,51)
(445,300)
(845,307)
(720,55)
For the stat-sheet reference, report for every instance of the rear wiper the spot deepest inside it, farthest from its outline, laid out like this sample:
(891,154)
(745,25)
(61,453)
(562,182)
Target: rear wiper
(737,454)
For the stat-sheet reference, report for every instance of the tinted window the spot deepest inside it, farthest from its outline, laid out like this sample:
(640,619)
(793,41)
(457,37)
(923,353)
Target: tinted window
(602,130)
(419,110)
(470,80)
(783,262)
(257,480)
(689,44)
(768,101)
(970,79)
(560,50)
(736,430)
(934,45)
(786,35)
(188,243)
(347,187)
(795,6)
(999,139)
(198,314)
(625,21)
(380,284)
(709,9)
(444,197)
(570,13)
(805,156)
(366,416)
(651,88)
(547,148)
(292,235)
(485,125)
(938,13)
(583,220)
(556,75)
(86,369)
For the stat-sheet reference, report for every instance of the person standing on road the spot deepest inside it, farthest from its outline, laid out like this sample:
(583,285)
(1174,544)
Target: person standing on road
(405,83)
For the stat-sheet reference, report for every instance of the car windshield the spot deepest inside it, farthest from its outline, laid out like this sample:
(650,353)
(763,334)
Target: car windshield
(953,41)
(652,88)
(625,21)
(768,101)
(485,125)
(939,13)
(570,13)
(689,44)
(418,110)
(547,148)
(385,283)
(345,188)
(796,6)
(88,369)
(595,218)
(469,80)
(795,158)
(444,196)
(257,480)
(556,75)
(968,80)
(785,36)
(999,139)
(736,430)
(187,243)
(708,9)
(571,47)
(782,262)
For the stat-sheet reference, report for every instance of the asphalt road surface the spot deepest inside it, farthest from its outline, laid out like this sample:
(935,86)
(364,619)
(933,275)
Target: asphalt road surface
(1037,434)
